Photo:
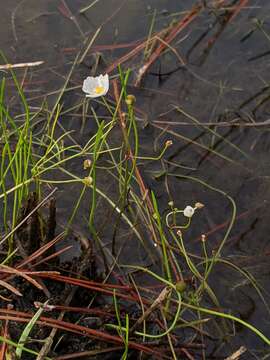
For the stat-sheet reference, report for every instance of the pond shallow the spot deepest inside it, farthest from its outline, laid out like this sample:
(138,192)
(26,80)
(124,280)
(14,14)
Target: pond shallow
(217,100)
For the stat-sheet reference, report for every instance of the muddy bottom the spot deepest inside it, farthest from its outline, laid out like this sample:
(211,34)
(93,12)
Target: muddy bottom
(208,92)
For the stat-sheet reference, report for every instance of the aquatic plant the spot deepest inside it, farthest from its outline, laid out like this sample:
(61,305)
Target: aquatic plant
(142,279)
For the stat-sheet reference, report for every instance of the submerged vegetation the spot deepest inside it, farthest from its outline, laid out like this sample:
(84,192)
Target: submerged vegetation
(104,248)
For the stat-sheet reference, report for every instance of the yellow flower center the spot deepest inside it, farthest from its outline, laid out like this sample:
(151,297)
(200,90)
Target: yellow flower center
(99,89)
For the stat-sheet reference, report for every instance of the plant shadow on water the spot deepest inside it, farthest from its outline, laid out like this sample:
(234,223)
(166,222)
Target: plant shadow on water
(113,269)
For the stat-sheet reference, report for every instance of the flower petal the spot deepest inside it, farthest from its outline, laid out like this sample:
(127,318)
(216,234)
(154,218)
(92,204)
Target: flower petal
(91,84)
(106,83)
(188,211)
(88,84)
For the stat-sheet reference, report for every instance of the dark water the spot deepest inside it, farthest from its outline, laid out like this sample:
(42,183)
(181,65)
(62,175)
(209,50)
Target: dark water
(220,85)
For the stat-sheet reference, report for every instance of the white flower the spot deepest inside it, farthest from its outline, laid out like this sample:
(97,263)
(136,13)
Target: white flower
(96,86)
(189,211)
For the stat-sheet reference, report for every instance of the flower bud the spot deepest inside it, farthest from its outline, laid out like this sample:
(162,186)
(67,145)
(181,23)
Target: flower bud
(198,205)
(130,100)
(88,180)
(168,143)
(180,286)
(87,163)
(179,232)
